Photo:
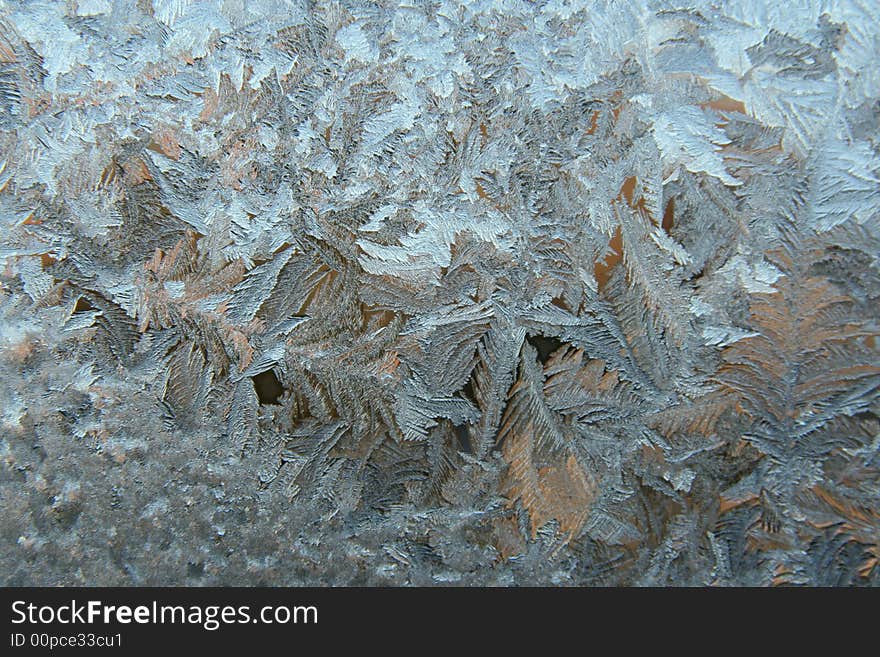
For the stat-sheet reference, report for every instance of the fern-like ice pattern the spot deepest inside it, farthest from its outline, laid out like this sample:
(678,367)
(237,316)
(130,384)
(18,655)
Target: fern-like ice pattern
(493,292)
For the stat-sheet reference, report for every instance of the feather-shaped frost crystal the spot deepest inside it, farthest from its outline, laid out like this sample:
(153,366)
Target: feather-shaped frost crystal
(416,293)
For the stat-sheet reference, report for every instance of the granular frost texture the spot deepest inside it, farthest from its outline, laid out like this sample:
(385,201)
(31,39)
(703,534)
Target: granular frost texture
(478,293)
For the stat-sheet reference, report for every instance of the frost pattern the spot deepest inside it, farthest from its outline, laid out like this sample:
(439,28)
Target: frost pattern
(490,292)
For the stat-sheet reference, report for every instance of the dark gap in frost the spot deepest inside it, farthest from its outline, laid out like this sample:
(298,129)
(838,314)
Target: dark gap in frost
(464,438)
(461,431)
(467,390)
(267,387)
(544,345)
(82,305)
(669,216)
